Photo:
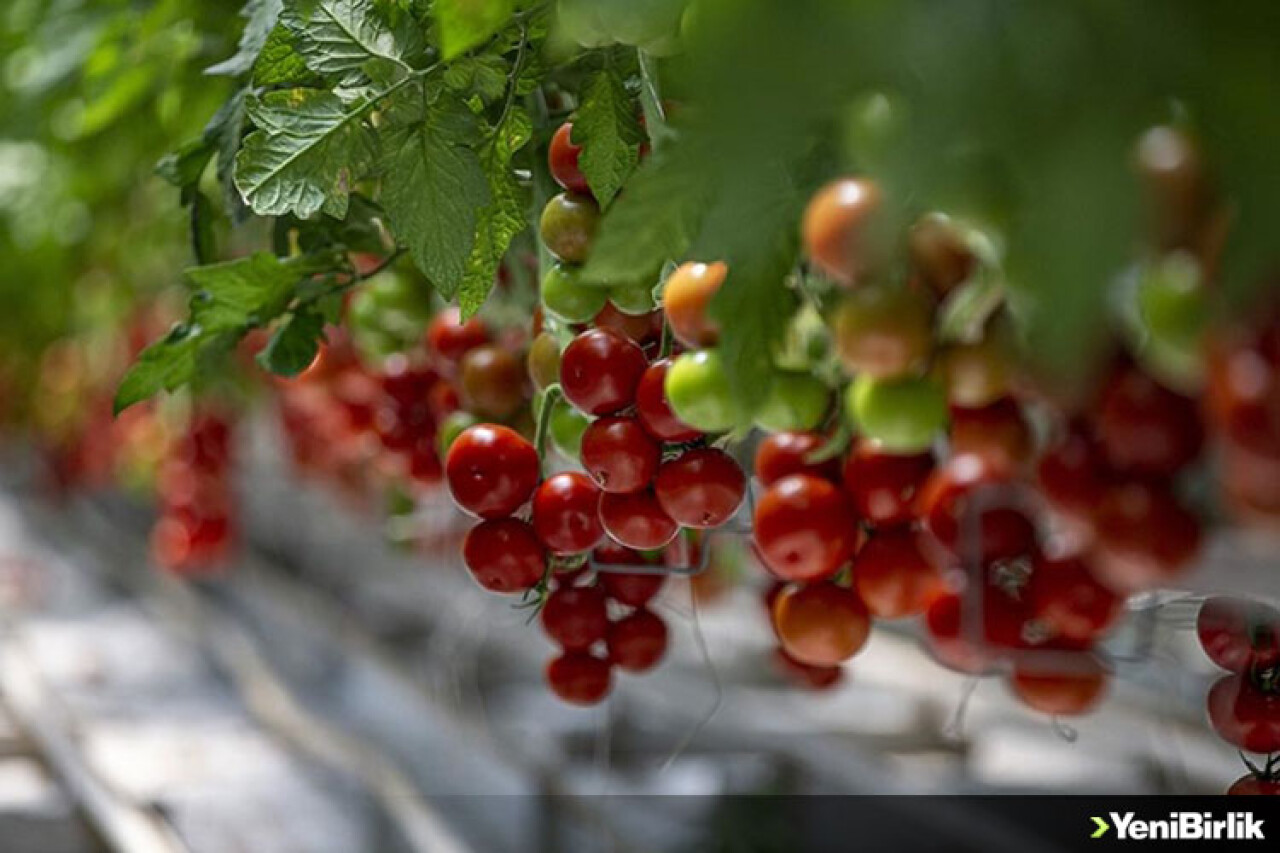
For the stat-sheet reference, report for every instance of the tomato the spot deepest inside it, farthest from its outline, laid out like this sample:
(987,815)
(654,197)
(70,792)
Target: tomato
(449,338)
(493,381)
(600,370)
(1175,183)
(901,415)
(999,431)
(1145,537)
(836,228)
(939,254)
(491,470)
(562,160)
(644,329)
(1073,686)
(970,635)
(949,511)
(1238,634)
(568,226)
(619,455)
(1244,715)
(1072,474)
(698,392)
(638,641)
(637,520)
(893,576)
(575,617)
(543,360)
(796,401)
(653,410)
(978,374)
(1064,594)
(633,299)
(686,296)
(1145,428)
(1251,785)
(1250,484)
(504,555)
(805,529)
(579,678)
(702,488)
(821,624)
(1242,395)
(784,453)
(1172,302)
(633,590)
(566,513)
(883,486)
(883,332)
(807,675)
(564,296)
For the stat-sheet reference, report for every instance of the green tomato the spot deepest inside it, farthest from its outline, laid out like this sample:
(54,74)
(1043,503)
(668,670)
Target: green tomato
(568,226)
(902,415)
(796,402)
(1171,301)
(567,426)
(452,427)
(633,299)
(395,292)
(566,297)
(698,390)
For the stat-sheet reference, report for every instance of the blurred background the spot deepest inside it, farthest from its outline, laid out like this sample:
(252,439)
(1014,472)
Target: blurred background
(337,681)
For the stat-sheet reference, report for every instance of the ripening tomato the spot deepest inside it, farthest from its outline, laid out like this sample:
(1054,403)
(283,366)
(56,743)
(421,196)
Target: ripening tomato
(702,488)
(575,617)
(568,226)
(837,225)
(1238,634)
(1245,716)
(1242,394)
(1176,185)
(580,678)
(1145,537)
(543,361)
(491,470)
(893,576)
(805,529)
(999,431)
(953,507)
(784,453)
(939,253)
(654,411)
(1071,685)
(449,338)
(619,455)
(493,381)
(977,374)
(637,520)
(686,296)
(1065,595)
(562,160)
(504,555)
(821,624)
(644,329)
(566,514)
(600,370)
(637,642)
(884,486)
(883,332)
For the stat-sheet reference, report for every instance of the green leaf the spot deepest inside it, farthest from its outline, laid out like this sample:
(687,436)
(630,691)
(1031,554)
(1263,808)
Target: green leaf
(433,188)
(294,344)
(307,152)
(183,168)
(167,364)
(279,62)
(338,37)
(607,127)
(260,17)
(464,24)
(484,76)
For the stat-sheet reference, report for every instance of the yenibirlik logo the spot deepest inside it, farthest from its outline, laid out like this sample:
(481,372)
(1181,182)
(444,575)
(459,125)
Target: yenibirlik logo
(1181,826)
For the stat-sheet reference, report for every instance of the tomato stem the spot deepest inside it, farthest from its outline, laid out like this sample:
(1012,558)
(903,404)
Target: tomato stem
(551,396)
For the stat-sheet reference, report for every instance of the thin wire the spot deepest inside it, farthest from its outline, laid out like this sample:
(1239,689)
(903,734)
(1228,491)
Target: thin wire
(705,651)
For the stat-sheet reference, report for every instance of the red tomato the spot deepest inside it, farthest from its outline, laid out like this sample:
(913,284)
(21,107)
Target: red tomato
(821,624)
(1075,685)
(1244,715)
(884,486)
(491,470)
(633,590)
(566,513)
(638,641)
(1250,785)
(1066,596)
(1145,537)
(493,381)
(1145,428)
(702,488)
(1073,473)
(893,576)
(783,453)
(600,370)
(579,678)
(642,328)
(449,339)
(1239,635)
(999,430)
(653,409)
(807,675)
(619,455)
(504,555)
(575,617)
(972,643)
(637,520)
(947,503)
(562,159)
(805,529)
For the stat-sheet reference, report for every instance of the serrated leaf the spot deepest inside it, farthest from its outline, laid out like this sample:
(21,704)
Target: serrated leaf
(483,76)
(224,131)
(307,152)
(607,127)
(339,37)
(244,292)
(260,17)
(433,187)
(279,62)
(167,364)
(294,344)
(463,24)
(183,167)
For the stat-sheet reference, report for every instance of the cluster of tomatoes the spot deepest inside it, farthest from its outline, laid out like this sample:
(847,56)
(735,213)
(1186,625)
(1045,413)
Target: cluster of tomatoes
(194,531)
